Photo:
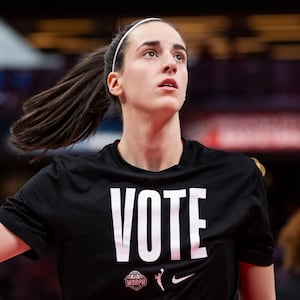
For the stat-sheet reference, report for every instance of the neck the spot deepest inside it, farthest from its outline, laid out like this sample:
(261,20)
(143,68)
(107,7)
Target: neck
(151,147)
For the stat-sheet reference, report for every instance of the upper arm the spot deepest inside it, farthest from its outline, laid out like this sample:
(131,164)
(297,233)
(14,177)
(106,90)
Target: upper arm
(256,282)
(11,245)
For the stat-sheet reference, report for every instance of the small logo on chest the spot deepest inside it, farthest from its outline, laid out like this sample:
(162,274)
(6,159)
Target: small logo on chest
(135,280)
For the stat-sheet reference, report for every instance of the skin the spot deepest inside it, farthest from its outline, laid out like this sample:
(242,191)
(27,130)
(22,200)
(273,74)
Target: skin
(11,245)
(256,282)
(151,138)
(151,129)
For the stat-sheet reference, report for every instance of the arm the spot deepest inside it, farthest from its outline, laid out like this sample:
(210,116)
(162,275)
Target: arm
(256,282)
(11,245)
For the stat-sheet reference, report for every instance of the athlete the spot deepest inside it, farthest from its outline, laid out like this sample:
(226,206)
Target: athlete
(151,215)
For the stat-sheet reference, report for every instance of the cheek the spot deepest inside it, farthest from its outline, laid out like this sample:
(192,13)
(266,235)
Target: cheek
(184,83)
(139,83)
(134,85)
(135,75)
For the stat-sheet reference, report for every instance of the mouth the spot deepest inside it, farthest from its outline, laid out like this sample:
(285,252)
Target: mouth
(169,83)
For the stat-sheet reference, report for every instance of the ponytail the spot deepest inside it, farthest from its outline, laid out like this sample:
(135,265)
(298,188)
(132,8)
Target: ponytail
(73,108)
(66,113)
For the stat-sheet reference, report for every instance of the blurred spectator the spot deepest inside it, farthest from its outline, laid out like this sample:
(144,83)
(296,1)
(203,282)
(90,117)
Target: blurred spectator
(289,242)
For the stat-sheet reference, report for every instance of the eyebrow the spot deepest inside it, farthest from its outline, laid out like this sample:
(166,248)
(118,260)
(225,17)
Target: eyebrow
(157,43)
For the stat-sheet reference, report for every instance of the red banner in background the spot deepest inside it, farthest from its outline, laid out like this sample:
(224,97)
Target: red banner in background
(244,131)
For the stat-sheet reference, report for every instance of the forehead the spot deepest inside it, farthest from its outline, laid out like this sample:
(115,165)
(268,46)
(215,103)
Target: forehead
(155,31)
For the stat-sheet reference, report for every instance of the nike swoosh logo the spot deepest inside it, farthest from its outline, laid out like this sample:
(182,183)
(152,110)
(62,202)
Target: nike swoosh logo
(180,279)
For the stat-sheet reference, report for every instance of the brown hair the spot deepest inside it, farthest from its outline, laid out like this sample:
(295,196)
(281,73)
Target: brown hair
(289,240)
(73,108)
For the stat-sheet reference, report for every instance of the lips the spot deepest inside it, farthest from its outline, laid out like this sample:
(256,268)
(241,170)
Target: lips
(169,83)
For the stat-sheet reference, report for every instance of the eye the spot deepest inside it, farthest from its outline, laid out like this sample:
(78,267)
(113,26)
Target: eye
(150,53)
(179,57)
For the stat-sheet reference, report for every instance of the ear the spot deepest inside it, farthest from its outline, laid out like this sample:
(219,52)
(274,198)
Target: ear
(113,84)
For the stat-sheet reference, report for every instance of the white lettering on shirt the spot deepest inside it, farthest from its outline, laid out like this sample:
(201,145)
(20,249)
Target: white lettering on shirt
(149,215)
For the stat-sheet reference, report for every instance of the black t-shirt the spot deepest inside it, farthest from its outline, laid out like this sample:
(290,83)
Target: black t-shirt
(131,234)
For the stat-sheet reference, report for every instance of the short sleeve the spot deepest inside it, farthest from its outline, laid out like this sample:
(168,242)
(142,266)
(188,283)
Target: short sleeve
(255,238)
(31,212)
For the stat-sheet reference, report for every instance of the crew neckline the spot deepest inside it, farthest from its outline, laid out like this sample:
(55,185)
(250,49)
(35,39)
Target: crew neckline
(120,160)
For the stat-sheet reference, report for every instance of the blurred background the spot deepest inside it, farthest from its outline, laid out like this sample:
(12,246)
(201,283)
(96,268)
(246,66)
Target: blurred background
(244,92)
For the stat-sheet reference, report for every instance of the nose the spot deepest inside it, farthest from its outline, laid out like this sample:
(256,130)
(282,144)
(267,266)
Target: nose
(169,64)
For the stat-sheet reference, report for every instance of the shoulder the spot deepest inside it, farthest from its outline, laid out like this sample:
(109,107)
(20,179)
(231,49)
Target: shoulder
(226,165)
(83,161)
(213,156)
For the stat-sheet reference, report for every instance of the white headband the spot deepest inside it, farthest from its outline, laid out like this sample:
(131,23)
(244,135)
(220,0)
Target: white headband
(125,35)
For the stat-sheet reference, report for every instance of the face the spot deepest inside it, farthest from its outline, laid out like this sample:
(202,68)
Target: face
(154,76)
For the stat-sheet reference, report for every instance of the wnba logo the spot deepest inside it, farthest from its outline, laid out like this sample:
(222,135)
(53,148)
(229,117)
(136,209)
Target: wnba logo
(135,280)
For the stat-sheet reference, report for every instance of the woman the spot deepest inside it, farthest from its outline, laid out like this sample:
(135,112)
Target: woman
(152,215)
